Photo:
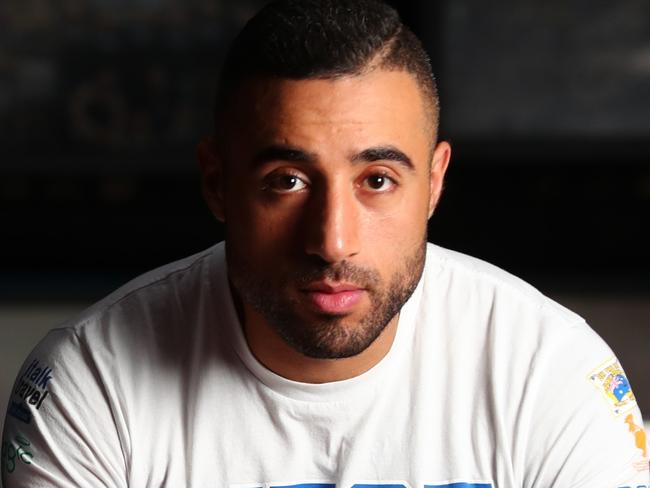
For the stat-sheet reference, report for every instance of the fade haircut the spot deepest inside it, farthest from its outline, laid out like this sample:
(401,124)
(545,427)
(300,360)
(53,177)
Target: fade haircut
(326,39)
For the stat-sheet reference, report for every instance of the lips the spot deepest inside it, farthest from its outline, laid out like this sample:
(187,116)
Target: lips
(334,298)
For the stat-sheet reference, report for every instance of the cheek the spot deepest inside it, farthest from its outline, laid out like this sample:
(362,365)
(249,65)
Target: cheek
(391,240)
(401,220)
(259,227)
(396,237)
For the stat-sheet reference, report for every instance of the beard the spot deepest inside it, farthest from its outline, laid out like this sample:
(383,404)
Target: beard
(326,336)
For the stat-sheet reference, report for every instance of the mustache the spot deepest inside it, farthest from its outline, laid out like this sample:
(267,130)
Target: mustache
(342,271)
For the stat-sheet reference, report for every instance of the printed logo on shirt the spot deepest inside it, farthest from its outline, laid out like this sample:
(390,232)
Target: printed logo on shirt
(640,441)
(31,391)
(610,379)
(20,411)
(366,484)
(14,452)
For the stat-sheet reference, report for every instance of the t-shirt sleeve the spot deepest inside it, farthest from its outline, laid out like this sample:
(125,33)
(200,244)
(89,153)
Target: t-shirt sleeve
(60,427)
(586,427)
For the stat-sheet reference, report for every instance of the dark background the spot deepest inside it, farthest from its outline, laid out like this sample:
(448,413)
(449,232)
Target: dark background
(547,106)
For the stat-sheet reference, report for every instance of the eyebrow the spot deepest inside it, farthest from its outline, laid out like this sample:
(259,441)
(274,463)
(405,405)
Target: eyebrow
(384,153)
(281,152)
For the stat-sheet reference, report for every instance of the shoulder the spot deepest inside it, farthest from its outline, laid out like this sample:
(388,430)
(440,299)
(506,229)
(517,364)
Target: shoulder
(154,320)
(558,387)
(135,315)
(489,313)
(165,287)
(478,281)
(100,373)
(152,311)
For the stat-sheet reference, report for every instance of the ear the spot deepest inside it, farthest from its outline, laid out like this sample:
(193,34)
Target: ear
(212,180)
(439,163)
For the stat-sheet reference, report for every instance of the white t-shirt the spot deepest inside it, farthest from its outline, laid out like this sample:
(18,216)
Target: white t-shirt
(487,384)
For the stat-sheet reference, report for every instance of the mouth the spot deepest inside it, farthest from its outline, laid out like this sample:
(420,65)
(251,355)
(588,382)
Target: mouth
(333,298)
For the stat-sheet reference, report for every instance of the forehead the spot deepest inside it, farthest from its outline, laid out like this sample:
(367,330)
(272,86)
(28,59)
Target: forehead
(341,114)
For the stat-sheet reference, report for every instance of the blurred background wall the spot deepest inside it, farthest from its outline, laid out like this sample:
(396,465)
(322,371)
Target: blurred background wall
(547,106)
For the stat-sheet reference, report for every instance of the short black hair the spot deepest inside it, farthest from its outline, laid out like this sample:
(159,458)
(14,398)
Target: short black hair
(302,39)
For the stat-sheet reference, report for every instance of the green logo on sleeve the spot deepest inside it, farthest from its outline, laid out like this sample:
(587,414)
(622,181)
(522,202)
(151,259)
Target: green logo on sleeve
(14,452)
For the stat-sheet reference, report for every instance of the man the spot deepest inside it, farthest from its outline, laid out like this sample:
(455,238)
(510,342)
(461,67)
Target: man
(326,344)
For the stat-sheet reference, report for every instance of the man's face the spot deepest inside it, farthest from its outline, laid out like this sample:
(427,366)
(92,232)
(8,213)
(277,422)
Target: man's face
(327,189)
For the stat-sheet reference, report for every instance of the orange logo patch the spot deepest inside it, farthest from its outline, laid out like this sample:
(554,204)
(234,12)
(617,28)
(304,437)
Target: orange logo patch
(640,441)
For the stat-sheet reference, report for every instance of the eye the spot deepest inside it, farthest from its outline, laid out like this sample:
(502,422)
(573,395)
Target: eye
(379,182)
(284,183)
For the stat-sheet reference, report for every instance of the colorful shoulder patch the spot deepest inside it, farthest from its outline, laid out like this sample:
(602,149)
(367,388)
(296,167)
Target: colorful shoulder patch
(610,379)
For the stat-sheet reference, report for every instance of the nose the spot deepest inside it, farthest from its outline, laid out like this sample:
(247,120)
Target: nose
(333,224)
